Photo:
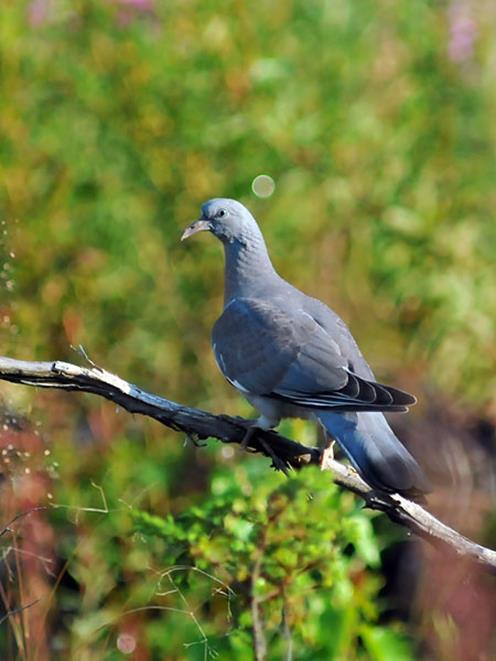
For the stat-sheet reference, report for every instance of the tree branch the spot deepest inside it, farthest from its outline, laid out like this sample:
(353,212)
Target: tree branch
(285,453)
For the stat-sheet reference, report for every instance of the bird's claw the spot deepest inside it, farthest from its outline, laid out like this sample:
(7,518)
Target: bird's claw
(250,433)
(277,462)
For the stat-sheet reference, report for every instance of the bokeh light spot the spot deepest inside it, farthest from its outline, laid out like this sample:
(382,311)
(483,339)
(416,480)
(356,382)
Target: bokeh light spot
(126,643)
(263,185)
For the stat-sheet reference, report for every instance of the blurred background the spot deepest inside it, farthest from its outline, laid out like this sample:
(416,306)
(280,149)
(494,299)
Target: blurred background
(362,136)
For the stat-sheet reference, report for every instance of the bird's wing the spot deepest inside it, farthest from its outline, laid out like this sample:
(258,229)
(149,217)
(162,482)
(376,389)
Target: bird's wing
(267,348)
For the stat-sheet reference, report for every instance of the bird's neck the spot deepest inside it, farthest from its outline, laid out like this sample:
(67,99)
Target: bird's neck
(248,269)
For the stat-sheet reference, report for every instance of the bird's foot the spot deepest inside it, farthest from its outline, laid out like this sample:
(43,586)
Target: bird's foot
(252,431)
(277,462)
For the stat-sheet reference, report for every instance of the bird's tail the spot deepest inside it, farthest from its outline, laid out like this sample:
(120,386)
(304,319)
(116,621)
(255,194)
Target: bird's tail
(375,452)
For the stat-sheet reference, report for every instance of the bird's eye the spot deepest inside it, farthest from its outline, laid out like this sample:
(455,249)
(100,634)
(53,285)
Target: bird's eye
(221,213)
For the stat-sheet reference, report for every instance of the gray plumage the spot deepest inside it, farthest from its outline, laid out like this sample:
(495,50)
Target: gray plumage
(291,356)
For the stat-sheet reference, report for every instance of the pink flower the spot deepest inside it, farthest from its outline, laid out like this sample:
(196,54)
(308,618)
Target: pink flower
(140,5)
(462,33)
(38,11)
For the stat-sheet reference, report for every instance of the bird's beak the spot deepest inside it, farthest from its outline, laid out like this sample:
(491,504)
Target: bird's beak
(200,225)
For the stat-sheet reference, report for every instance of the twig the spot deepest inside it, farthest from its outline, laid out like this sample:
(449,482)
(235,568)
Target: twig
(259,640)
(7,528)
(286,629)
(227,429)
(16,611)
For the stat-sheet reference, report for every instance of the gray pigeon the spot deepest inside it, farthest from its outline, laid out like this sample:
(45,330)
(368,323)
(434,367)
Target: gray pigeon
(292,356)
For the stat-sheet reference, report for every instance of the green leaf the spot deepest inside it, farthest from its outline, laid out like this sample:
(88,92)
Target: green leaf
(361,533)
(385,644)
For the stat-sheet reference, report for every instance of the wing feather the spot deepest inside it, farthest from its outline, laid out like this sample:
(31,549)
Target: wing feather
(268,350)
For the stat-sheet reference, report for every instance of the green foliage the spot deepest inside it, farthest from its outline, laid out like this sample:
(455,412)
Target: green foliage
(275,548)
(116,123)
(115,129)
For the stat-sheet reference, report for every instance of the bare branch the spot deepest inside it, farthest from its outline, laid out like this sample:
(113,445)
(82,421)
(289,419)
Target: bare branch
(17,610)
(201,425)
(21,515)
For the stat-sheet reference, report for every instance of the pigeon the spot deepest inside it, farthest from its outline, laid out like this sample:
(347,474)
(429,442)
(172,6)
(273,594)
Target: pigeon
(291,356)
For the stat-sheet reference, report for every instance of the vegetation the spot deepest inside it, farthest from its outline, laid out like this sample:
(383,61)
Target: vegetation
(375,121)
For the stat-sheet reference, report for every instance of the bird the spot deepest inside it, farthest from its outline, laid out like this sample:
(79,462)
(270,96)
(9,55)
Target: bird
(292,356)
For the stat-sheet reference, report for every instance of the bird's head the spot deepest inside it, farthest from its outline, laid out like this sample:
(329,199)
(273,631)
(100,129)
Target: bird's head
(227,219)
